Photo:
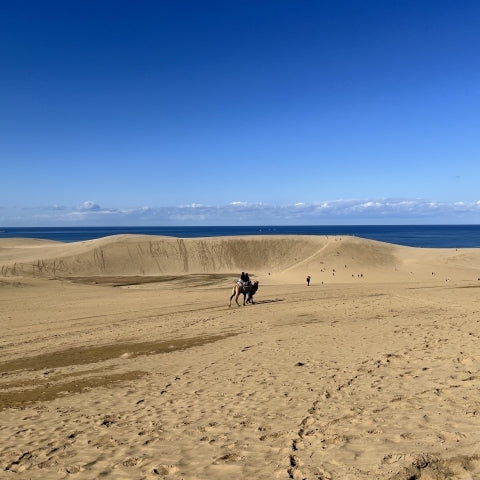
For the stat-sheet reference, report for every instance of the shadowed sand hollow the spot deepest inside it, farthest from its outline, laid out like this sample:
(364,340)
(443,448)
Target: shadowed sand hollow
(120,358)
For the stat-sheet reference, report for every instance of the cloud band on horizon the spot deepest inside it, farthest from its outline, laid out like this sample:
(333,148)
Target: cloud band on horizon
(350,211)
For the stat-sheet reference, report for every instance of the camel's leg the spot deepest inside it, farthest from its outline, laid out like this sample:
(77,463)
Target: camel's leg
(233,294)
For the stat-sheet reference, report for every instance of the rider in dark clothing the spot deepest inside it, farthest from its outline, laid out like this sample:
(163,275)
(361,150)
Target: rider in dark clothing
(245,279)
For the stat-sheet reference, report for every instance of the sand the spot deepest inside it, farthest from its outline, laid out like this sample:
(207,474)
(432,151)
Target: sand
(120,358)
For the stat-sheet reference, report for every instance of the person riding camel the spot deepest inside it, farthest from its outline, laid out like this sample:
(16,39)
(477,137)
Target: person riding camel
(245,279)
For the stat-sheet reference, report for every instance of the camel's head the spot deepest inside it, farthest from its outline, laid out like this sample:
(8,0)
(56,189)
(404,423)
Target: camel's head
(254,287)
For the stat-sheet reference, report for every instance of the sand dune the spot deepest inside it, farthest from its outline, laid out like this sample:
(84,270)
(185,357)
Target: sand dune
(120,359)
(150,255)
(290,258)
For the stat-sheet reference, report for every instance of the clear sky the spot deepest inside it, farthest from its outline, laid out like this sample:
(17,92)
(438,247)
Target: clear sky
(239,112)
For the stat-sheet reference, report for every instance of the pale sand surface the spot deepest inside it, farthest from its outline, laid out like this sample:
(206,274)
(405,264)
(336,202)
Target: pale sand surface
(120,358)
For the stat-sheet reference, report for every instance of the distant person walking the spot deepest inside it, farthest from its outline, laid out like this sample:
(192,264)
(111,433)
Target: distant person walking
(308,281)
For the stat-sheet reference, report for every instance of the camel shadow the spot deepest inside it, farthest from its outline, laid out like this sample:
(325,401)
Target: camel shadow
(258,302)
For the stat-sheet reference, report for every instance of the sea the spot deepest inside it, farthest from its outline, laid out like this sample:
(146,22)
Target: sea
(427,236)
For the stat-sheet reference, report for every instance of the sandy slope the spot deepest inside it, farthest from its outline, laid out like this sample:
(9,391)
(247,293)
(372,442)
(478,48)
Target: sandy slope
(371,374)
(288,258)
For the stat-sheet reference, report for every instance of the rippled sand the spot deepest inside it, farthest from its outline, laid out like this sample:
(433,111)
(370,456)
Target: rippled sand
(120,358)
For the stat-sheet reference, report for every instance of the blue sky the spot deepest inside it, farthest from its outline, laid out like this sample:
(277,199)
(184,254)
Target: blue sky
(253,112)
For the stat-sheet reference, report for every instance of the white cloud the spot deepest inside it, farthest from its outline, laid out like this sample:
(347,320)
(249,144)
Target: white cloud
(244,204)
(341,211)
(192,205)
(89,206)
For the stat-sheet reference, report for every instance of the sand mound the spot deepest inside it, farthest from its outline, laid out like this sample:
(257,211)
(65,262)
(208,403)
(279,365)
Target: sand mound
(26,242)
(374,374)
(152,255)
(280,258)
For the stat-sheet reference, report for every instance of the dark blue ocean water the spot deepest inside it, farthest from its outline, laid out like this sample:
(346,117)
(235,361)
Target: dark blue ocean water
(435,236)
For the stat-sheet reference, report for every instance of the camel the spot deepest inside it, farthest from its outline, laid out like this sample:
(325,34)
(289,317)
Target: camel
(237,290)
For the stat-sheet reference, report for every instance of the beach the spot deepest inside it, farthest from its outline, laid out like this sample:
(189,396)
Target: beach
(120,358)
